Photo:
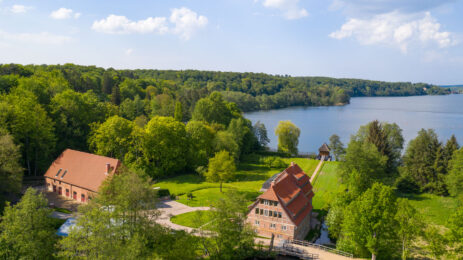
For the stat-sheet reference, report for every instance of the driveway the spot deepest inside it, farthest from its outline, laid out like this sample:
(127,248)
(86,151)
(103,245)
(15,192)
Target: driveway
(170,208)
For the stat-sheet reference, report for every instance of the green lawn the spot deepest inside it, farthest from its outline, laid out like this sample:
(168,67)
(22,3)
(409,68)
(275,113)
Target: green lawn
(434,209)
(248,180)
(193,219)
(326,185)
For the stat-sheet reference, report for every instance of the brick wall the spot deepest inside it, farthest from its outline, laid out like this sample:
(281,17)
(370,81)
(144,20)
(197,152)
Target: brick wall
(265,226)
(71,190)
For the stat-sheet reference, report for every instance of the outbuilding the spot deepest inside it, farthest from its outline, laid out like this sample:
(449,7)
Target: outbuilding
(78,175)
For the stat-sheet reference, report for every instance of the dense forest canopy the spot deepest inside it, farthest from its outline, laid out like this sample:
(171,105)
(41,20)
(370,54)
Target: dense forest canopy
(48,108)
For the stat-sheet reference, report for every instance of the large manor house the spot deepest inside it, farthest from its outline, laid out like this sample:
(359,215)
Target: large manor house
(285,207)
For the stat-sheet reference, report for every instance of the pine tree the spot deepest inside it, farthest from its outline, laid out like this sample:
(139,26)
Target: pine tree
(107,82)
(378,137)
(450,147)
(116,95)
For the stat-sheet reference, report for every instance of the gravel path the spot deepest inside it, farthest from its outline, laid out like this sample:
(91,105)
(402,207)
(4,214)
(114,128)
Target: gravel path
(170,208)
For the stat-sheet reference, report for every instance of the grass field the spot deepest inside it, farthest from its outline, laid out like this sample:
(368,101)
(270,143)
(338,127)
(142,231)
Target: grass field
(326,185)
(434,209)
(248,180)
(193,219)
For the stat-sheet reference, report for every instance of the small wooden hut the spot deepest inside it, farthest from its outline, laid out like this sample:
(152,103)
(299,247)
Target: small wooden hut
(324,150)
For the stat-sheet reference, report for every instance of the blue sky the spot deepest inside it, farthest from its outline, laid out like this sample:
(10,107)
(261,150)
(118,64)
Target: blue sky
(393,40)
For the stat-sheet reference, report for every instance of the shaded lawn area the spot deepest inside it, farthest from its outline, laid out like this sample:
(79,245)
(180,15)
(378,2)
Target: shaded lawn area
(248,180)
(194,219)
(326,185)
(434,209)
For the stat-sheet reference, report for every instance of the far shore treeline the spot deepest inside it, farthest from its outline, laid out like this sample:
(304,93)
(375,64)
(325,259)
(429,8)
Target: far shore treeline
(124,113)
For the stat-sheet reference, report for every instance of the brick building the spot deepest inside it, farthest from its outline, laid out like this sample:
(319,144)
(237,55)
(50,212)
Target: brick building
(285,208)
(78,175)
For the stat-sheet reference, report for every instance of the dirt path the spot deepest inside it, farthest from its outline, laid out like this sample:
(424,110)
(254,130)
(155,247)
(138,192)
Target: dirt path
(170,208)
(317,170)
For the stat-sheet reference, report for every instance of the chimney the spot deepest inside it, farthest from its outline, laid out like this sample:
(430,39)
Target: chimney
(292,163)
(108,167)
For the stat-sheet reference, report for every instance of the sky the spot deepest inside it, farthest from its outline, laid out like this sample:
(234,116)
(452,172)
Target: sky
(390,40)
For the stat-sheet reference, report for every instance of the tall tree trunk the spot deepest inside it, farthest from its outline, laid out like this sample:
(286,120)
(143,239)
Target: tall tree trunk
(373,257)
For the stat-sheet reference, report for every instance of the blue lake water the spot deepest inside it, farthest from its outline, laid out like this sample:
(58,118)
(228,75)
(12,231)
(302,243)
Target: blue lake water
(441,113)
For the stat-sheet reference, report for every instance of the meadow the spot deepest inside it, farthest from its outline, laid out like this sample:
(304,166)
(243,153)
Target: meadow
(251,175)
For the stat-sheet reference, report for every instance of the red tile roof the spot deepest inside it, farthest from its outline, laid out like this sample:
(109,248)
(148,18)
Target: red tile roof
(292,188)
(81,169)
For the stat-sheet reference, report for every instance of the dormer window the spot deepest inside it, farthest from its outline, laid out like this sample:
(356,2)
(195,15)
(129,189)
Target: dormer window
(59,171)
(64,173)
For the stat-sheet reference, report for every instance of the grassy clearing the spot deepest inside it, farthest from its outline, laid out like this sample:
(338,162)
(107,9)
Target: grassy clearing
(193,219)
(434,209)
(326,185)
(248,180)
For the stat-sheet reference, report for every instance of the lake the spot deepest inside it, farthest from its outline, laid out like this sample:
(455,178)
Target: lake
(441,113)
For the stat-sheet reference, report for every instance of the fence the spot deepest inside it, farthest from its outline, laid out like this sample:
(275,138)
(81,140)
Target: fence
(321,247)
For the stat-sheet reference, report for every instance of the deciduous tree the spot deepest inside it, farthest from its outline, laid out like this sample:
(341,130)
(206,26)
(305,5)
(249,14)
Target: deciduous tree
(337,147)
(288,137)
(26,230)
(221,168)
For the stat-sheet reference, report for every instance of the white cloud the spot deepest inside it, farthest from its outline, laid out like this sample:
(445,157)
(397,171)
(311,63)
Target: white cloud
(115,24)
(186,22)
(64,13)
(290,8)
(396,29)
(20,9)
(38,38)
(129,52)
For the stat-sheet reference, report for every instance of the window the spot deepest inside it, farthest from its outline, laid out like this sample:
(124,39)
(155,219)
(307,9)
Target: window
(275,203)
(275,214)
(270,213)
(273,225)
(266,212)
(257,211)
(67,192)
(261,201)
(58,172)
(74,195)
(64,173)
(283,227)
(257,222)
(261,211)
(279,214)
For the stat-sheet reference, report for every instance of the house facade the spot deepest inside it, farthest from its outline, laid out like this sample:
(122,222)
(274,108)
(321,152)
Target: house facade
(78,175)
(285,208)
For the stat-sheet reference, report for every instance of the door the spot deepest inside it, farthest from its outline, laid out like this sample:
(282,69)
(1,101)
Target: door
(54,188)
(67,192)
(82,198)
(60,191)
(74,195)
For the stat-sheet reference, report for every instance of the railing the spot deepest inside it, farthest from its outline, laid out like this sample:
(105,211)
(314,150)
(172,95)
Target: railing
(321,247)
(296,252)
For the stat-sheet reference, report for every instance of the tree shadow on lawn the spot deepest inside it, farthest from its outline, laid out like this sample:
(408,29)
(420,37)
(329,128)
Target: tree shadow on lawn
(411,196)
(254,173)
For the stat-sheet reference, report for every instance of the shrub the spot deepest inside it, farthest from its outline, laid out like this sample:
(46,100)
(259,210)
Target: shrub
(163,193)
(407,184)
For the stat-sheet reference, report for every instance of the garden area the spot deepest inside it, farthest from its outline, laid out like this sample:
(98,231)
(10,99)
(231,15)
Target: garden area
(192,190)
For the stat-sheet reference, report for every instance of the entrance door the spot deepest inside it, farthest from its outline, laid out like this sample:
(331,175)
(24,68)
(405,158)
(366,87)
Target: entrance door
(82,198)
(74,195)
(67,192)
(54,188)
(60,191)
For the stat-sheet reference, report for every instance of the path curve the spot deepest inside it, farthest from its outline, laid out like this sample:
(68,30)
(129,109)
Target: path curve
(170,208)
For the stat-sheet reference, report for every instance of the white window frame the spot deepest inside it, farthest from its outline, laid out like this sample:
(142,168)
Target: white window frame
(257,222)
(273,225)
